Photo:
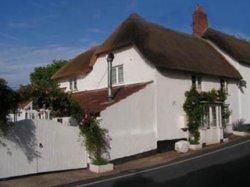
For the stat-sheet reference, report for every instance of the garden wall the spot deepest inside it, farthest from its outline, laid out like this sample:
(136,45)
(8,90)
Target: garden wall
(36,146)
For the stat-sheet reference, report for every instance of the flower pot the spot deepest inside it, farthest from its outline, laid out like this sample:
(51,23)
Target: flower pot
(195,146)
(225,140)
(101,168)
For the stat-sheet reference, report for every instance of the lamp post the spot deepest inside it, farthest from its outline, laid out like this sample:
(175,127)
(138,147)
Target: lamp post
(110,59)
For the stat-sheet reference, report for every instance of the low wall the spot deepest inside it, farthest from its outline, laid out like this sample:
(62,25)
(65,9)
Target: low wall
(35,146)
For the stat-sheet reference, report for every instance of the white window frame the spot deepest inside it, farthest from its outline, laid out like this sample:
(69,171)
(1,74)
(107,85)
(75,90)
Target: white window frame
(73,84)
(224,85)
(197,81)
(117,80)
(218,117)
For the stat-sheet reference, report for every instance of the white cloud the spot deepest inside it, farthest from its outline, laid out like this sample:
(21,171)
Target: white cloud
(96,30)
(22,25)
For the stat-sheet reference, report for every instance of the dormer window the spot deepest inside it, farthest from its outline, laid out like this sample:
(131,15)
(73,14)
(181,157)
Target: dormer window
(73,84)
(197,82)
(117,74)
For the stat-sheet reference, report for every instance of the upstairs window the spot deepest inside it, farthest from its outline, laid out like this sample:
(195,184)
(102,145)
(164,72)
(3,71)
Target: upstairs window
(117,74)
(224,85)
(73,84)
(197,82)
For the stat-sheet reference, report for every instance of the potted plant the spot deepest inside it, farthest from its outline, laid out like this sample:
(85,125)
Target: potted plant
(97,144)
(194,140)
(239,129)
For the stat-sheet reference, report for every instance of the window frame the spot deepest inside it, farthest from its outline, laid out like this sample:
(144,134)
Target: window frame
(116,73)
(224,85)
(73,84)
(197,82)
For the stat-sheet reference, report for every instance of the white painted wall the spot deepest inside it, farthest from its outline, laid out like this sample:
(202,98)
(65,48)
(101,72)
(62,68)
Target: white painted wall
(21,155)
(171,88)
(131,124)
(242,111)
(136,69)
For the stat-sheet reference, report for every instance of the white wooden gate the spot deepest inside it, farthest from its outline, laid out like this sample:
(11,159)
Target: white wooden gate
(35,146)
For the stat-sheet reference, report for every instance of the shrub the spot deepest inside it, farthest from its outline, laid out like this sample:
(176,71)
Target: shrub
(239,125)
(96,140)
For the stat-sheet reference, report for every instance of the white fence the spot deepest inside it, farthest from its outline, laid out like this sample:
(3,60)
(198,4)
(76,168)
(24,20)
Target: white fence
(35,146)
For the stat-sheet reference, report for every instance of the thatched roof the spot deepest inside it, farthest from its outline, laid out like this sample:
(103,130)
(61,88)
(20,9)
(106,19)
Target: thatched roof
(77,66)
(238,48)
(165,48)
(169,49)
(94,101)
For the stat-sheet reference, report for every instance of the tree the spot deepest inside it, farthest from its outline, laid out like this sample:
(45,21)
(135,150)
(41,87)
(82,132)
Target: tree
(40,80)
(45,92)
(41,77)
(8,102)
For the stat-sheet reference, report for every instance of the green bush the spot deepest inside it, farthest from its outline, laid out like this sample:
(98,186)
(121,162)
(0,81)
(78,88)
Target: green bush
(195,105)
(96,140)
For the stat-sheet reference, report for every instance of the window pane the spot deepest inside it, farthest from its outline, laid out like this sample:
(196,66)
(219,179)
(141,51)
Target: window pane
(113,75)
(193,80)
(199,80)
(120,74)
(75,84)
(214,116)
(70,85)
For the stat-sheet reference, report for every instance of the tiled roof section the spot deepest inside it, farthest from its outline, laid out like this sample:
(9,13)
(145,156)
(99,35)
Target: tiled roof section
(94,101)
(77,66)
(169,49)
(238,48)
(23,104)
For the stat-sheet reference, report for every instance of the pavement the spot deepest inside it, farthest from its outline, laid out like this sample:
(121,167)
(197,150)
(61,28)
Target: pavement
(229,166)
(138,169)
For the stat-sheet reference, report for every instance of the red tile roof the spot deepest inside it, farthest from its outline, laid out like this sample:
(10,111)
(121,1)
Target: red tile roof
(23,104)
(94,101)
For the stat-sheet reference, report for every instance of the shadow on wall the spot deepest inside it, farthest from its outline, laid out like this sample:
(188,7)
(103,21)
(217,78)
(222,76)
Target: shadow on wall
(23,134)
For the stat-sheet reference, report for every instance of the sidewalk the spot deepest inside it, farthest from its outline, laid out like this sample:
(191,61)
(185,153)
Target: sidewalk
(65,177)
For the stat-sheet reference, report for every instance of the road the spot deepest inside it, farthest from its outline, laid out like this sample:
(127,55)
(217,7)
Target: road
(229,166)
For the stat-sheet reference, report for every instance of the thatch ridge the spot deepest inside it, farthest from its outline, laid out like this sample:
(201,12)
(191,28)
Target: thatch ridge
(238,48)
(166,48)
(77,66)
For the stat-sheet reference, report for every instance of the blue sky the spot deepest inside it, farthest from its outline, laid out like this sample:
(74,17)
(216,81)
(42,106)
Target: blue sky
(34,32)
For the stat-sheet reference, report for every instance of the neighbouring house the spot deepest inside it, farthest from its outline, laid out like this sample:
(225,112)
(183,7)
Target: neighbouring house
(25,111)
(139,94)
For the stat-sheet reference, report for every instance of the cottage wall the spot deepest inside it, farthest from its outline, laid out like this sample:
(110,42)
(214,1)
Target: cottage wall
(239,98)
(134,67)
(131,124)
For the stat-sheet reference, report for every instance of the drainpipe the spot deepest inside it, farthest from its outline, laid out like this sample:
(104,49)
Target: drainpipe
(110,59)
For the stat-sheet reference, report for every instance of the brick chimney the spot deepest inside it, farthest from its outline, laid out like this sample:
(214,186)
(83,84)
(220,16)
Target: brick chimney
(200,23)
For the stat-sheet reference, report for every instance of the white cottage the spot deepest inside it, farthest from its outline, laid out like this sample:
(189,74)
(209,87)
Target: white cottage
(152,69)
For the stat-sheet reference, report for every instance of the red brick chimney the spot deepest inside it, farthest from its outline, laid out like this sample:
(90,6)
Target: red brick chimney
(200,23)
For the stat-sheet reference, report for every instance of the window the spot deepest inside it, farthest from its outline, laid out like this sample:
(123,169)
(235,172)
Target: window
(197,82)
(73,84)
(117,74)
(120,74)
(224,85)
(199,87)
(214,116)
(193,80)
(114,81)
